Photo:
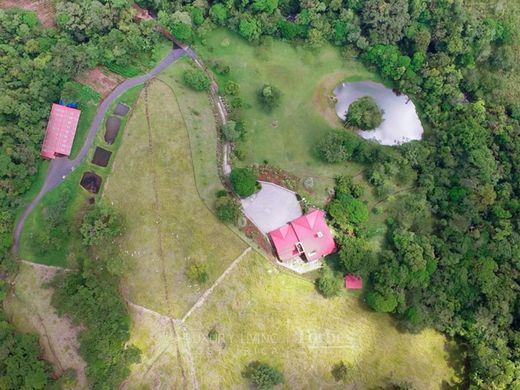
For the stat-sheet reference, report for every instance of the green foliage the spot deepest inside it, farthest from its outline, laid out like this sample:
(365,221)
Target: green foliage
(196,79)
(269,96)
(230,131)
(249,28)
(243,181)
(330,283)
(263,376)
(20,366)
(341,372)
(197,272)
(218,13)
(213,334)
(227,209)
(100,224)
(382,302)
(356,256)
(232,88)
(91,298)
(347,212)
(364,114)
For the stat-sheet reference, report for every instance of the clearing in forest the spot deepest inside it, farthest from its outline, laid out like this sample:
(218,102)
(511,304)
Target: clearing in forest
(100,80)
(287,136)
(43,9)
(263,313)
(30,310)
(169,229)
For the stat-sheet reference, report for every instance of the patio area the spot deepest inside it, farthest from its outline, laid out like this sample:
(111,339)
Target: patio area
(271,207)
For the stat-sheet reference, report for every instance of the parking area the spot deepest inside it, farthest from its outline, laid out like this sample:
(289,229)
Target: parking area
(271,207)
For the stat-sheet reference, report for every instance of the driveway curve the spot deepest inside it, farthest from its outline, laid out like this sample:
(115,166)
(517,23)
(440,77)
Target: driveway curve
(61,167)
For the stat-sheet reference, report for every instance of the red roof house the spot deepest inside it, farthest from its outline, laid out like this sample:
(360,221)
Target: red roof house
(61,130)
(353,282)
(307,236)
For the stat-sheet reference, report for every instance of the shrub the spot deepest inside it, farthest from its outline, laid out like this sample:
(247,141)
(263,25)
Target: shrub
(100,223)
(227,209)
(213,334)
(230,131)
(197,273)
(269,96)
(197,79)
(263,376)
(338,146)
(243,181)
(341,372)
(329,283)
(347,212)
(231,88)
(364,114)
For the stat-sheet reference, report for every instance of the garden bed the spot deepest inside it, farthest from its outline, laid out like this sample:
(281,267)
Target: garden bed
(101,157)
(112,129)
(91,182)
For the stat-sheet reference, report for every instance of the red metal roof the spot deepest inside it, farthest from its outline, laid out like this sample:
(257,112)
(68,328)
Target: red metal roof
(307,235)
(353,282)
(61,130)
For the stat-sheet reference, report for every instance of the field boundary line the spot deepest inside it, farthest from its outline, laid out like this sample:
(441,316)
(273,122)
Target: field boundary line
(53,267)
(217,282)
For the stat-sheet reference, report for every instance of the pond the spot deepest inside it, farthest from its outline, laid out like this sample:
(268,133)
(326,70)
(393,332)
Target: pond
(400,120)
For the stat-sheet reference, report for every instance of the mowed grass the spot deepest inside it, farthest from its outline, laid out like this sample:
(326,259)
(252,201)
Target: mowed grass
(69,248)
(263,313)
(168,226)
(286,137)
(200,122)
(29,309)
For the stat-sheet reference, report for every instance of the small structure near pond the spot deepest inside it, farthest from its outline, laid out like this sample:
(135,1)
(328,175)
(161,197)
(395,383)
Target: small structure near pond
(101,157)
(91,182)
(112,129)
(353,282)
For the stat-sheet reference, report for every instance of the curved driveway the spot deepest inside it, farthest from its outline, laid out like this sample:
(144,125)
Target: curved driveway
(61,167)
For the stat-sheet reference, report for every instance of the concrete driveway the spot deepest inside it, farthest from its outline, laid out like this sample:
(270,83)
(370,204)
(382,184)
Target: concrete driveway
(273,206)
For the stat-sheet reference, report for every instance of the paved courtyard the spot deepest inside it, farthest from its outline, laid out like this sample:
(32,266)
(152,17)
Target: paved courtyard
(271,207)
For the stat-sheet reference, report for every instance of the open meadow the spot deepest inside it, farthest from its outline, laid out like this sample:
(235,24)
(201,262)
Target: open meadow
(169,228)
(264,313)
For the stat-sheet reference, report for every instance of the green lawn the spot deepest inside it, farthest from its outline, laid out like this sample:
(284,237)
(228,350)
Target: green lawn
(199,120)
(286,138)
(168,226)
(88,101)
(68,246)
(261,312)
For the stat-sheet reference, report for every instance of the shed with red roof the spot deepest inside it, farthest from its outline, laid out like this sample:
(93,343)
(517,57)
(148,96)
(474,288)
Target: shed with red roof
(307,236)
(353,282)
(61,129)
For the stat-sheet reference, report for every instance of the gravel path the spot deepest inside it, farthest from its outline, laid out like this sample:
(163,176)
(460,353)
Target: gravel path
(61,167)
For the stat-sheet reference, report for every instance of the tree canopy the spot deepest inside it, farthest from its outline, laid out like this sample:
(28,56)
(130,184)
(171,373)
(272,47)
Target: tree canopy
(364,114)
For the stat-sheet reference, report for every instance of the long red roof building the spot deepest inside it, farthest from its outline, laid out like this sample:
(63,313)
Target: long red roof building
(61,129)
(307,236)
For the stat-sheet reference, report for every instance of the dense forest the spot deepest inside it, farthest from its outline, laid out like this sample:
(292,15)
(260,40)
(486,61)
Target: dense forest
(452,256)
(35,64)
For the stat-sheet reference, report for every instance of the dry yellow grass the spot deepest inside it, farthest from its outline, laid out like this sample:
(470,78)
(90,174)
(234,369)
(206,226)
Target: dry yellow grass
(29,307)
(266,314)
(169,227)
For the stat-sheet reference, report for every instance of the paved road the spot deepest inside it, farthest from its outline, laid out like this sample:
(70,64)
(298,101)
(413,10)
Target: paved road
(61,167)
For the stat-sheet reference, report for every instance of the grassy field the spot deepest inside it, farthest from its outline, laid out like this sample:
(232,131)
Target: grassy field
(68,248)
(168,226)
(200,123)
(286,138)
(29,309)
(263,313)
